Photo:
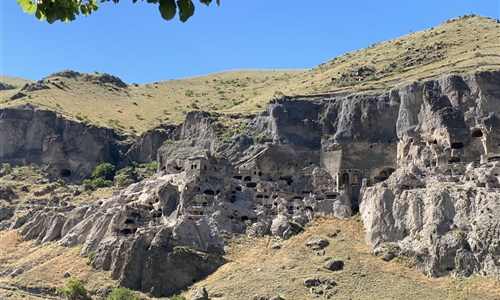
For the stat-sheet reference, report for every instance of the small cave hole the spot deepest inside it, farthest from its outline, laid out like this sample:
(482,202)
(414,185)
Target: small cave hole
(251,184)
(209,192)
(65,173)
(477,133)
(457,145)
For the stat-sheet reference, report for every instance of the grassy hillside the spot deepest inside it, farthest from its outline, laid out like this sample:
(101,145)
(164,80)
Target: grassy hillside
(254,269)
(459,46)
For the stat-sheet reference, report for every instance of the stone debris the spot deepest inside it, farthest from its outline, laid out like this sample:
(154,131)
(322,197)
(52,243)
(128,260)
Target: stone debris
(421,163)
(200,294)
(333,265)
(316,243)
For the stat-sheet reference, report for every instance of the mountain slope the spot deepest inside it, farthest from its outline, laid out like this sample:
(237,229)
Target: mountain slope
(257,270)
(461,45)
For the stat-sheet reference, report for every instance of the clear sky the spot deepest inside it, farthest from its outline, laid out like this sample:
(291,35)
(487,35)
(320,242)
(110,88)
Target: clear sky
(134,43)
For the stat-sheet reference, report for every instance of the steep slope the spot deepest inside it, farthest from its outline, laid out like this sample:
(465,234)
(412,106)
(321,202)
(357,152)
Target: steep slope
(267,267)
(398,155)
(417,155)
(456,46)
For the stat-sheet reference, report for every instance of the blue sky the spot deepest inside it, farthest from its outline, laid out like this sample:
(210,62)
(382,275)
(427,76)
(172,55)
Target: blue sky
(134,43)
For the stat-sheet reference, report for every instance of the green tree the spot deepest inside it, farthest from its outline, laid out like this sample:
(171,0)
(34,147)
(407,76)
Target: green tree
(74,290)
(105,171)
(122,294)
(67,10)
(102,176)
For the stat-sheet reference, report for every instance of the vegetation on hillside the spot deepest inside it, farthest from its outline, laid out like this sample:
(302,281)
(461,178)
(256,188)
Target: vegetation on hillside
(462,45)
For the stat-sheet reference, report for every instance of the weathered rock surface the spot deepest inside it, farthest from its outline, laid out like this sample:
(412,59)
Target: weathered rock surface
(441,207)
(333,265)
(200,294)
(69,149)
(448,227)
(316,243)
(419,161)
(29,135)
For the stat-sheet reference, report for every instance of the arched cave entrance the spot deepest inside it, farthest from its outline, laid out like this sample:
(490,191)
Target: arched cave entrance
(384,174)
(65,173)
(457,145)
(476,133)
(355,178)
(345,178)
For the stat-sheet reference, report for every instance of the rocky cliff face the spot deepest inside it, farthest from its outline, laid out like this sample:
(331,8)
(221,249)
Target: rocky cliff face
(441,206)
(419,162)
(446,224)
(69,149)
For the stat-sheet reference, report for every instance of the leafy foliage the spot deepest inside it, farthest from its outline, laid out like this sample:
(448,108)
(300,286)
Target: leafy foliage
(67,10)
(74,290)
(122,294)
(106,171)
(6,168)
(102,176)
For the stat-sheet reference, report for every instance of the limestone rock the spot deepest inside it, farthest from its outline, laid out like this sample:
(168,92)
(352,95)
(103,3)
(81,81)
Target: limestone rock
(200,294)
(333,265)
(276,246)
(420,162)
(439,226)
(317,243)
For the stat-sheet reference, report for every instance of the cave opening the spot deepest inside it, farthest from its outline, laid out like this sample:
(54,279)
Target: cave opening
(477,133)
(209,192)
(251,184)
(457,145)
(65,173)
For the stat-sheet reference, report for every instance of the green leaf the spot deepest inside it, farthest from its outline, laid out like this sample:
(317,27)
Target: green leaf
(206,2)
(28,6)
(167,9)
(186,9)
(40,15)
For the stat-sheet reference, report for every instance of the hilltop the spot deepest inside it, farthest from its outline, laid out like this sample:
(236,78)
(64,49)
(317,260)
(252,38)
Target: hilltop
(458,46)
(377,177)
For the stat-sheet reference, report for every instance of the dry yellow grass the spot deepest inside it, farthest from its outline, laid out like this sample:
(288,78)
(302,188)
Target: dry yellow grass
(30,183)
(458,46)
(44,267)
(255,269)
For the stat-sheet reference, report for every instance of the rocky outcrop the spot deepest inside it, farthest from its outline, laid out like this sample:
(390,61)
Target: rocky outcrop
(441,206)
(145,149)
(418,161)
(130,232)
(68,149)
(446,224)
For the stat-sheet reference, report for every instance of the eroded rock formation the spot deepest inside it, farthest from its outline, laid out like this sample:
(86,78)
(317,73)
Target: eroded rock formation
(419,161)
(67,149)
